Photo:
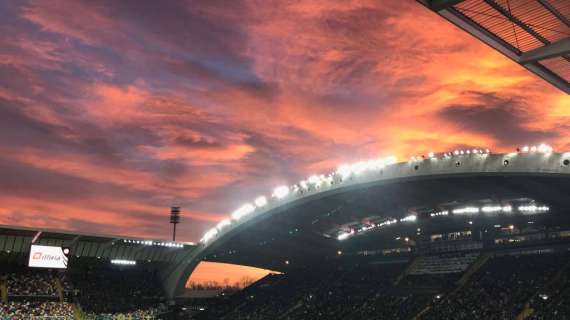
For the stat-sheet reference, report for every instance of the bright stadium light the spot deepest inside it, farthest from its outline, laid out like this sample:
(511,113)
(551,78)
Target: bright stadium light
(222,224)
(260,201)
(314,179)
(209,235)
(243,211)
(124,262)
(440,213)
(345,235)
(281,192)
(466,210)
(412,217)
(490,209)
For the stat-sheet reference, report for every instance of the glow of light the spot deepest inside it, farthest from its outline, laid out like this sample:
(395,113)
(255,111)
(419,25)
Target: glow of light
(533,208)
(209,235)
(281,192)
(409,218)
(466,210)
(260,201)
(489,209)
(345,235)
(440,213)
(343,171)
(533,149)
(222,224)
(243,211)
(431,154)
(525,149)
(124,262)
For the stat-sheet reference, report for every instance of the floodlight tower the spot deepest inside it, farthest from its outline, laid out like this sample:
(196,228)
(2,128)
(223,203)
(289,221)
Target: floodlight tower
(174,219)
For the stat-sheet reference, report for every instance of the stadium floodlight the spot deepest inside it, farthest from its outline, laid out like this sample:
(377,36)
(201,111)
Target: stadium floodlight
(491,209)
(533,208)
(260,201)
(343,171)
(124,262)
(314,179)
(222,224)
(243,211)
(466,210)
(345,235)
(440,213)
(281,192)
(543,148)
(174,220)
(209,235)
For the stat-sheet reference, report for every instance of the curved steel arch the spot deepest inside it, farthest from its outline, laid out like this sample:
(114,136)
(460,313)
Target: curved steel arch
(521,164)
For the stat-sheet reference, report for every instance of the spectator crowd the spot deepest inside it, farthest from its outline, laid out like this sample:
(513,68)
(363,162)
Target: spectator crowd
(36,310)
(502,288)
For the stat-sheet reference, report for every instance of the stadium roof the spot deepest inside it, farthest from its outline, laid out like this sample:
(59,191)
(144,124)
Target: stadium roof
(16,239)
(533,33)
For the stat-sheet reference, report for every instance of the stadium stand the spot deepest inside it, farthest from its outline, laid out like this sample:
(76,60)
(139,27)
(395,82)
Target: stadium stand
(91,289)
(509,285)
(104,290)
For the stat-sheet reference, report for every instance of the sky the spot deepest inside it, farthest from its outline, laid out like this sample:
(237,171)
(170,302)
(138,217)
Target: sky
(112,111)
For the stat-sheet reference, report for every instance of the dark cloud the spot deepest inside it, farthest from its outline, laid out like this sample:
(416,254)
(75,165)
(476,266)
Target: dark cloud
(502,117)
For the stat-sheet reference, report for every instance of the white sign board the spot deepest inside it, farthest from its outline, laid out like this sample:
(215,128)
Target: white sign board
(47,257)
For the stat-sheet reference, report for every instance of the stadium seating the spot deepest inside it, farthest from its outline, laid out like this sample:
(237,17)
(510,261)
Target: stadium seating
(105,290)
(503,288)
(101,290)
(36,310)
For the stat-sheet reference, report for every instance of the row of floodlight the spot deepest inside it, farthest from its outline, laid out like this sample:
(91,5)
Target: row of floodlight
(312,182)
(347,234)
(124,262)
(343,171)
(525,209)
(154,243)
(432,155)
(541,148)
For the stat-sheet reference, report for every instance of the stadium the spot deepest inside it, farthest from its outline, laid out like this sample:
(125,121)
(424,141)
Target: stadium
(429,238)
(467,233)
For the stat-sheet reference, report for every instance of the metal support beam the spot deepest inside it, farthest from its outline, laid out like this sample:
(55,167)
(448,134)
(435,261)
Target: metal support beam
(516,21)
(438,5)
(36,237)
(555,49)
(555,12)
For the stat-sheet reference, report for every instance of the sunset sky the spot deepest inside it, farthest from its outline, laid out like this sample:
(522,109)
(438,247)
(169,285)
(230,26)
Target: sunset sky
(112,111)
